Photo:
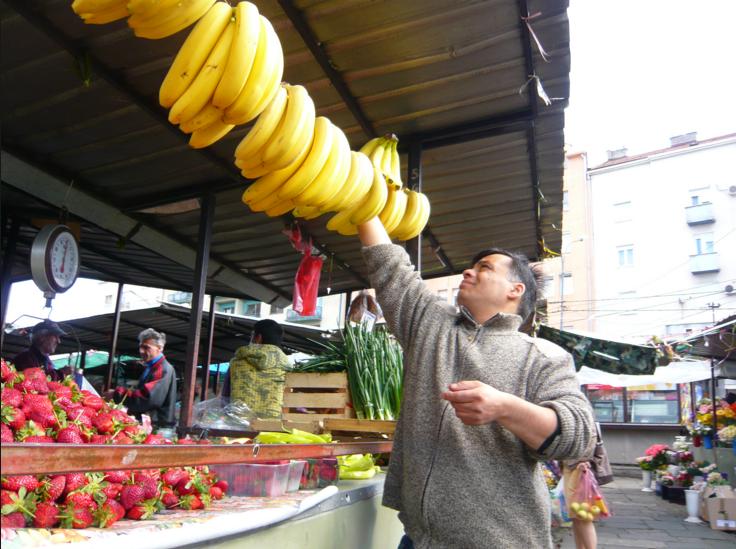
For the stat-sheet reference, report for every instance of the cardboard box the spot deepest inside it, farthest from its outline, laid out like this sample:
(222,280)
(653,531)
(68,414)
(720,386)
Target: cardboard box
(722,513)
(713,492)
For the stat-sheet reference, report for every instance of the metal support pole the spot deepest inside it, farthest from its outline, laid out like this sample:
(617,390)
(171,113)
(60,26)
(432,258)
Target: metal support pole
(217,379)
(414,246)
(208,351)
(114,339)
(195,320)
(8,258)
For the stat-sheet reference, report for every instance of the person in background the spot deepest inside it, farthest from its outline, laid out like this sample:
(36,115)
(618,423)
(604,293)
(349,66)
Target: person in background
(483,403)
(45,338)
(155,394)
(256,374)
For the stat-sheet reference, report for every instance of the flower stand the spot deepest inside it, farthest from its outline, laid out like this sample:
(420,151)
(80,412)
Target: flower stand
(646,481)
(692,500)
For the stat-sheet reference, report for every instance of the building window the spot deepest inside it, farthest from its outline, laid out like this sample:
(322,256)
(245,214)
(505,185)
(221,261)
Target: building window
(625,256)
(252,308)
(704,244)
(180,297)
(607,403)
(548,285)
(694,200)
(632,405)
(565,246)
(276,310)
(226,307)
(622,212)
(565,200)
(566,283)
(108,299)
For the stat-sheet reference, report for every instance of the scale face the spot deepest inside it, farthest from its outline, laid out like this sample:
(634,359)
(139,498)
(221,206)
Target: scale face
(54,260)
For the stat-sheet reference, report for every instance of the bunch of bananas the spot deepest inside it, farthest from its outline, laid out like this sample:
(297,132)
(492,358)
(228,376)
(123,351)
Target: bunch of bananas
(226,73)
(99,12)
(383,152)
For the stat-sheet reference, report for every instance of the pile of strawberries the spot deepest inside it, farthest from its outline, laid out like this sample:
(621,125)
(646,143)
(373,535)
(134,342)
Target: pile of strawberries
(37,410)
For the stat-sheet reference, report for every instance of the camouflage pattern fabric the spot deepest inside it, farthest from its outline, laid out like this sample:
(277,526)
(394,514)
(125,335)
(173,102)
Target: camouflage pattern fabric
(257,375)
(607,356)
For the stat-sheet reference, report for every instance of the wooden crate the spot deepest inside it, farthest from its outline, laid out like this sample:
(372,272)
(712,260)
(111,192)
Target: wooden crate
(322,396)
(277,425)
(359,428)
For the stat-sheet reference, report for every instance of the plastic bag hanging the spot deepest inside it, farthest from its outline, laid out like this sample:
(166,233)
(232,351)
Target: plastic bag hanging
(306,284)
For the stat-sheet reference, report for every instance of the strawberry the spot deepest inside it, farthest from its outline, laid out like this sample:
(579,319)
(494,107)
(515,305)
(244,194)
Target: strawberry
(172,476)
(186,440)
(15,483)
(122,418)
(119,509)
(37,402)
(60,390)
(73,516)
(69,435)
(47,515)
(23,502)
(112,490)
(100,439)
(52,488)
(103,423)
(108,513)
(11,397)
(5,498)
(149,484)
(6,435)
(169,498)
(130,495)
(35,385)
(14,417)
(81,499)
(185,487)
(215,492)
(117,476)
(66,404)
(6,370)
(156,440)
(74,481)
(93,401)
(29,429)
(13,520)
(222,485)
(191,502)
(143,510)
(38,439)
(44,418)
(121,439)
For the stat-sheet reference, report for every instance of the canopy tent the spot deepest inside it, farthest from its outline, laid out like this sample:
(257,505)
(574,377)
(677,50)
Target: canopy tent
(614,357)
(93,359)
(673,373)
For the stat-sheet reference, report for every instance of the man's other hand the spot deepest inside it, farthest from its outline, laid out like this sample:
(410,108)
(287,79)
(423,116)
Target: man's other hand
(476,403)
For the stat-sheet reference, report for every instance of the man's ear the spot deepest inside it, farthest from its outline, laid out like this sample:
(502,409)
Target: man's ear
(517,290)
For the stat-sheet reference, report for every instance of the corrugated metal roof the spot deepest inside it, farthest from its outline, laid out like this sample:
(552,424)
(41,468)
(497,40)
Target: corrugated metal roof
(231,332)
(443,73)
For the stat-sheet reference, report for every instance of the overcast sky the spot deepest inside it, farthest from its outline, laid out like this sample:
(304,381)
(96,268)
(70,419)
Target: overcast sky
(645,70)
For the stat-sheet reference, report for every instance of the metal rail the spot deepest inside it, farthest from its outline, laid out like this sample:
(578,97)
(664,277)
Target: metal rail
(37,459)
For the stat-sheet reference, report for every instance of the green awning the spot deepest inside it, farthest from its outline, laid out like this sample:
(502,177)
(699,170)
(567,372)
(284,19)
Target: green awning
(614,357)
(94,359)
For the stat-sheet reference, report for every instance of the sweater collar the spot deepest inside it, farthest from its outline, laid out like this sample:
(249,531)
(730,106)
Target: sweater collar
(500,322)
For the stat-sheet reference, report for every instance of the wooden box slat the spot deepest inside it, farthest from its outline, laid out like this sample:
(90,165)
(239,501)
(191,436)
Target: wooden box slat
(315,400)
(315,417)
(337,380)
(360,425)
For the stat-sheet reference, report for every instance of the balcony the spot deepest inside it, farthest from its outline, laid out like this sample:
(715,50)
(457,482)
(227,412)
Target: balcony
(704,263)
(700,214)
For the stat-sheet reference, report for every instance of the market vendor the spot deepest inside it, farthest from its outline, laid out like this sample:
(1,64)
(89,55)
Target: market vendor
(483,403)
(256,374)
(45,338)
(155,394)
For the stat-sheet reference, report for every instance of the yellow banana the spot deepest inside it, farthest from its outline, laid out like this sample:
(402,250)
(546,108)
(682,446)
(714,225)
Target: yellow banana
(280,209)
(296,127)
(185,13)
(360,183)
(392,213)
(396,164)
(269,57)
(376,155)
(315,161)
(411,215)
(386,161)
(265,203)
(199,93)
(347,229)
(374,201)
(261,169)
(423,218)
(271,182)
(307,212)
(330,200)
(208,115)
(149,12)
(108,15)
(340,223)
(210,134)
(326,184)
(93,6)
(242,54)
(264,127)
(367,149)
(193,53)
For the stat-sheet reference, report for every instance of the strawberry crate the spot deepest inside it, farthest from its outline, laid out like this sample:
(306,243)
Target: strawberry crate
(315,397)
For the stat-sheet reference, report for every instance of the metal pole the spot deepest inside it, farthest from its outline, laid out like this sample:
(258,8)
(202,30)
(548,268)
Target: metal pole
(195,320)
(8,258)
(208,352)
(217,378)
(414,246)
(713,307)
(114,339)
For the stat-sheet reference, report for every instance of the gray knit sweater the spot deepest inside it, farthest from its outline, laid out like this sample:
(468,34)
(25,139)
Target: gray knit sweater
(458,486)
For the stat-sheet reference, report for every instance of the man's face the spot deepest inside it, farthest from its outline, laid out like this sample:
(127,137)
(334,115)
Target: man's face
(47,343)
(486,284)
(149,350)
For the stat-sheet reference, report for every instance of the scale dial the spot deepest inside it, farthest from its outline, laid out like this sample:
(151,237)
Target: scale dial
(55,259)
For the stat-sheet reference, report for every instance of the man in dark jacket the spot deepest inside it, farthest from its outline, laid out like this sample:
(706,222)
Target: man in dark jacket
(45,338)
(156,391)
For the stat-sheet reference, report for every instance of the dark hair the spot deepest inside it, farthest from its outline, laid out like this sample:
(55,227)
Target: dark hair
(269,330)
(520,271)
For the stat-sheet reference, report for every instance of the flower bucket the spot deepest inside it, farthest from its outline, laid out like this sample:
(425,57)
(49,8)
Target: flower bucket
(646,481)
(692,500)
(708,442)
(733,446)
(697,441)
(657,488)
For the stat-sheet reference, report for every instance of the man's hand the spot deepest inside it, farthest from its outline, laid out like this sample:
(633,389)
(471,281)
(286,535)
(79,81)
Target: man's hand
(476,403)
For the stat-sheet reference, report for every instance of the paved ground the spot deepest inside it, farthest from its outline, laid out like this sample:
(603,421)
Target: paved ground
(642,519)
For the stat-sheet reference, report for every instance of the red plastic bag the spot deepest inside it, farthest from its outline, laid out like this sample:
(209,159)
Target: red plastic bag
(306,284)
(586,502)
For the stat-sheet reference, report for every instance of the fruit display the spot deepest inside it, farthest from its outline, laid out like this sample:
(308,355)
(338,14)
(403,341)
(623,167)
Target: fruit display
(228,72)
(357,467)
(35,410)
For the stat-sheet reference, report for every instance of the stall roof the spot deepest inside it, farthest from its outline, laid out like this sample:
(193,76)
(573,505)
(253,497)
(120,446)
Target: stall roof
(231,332)
(84,136)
